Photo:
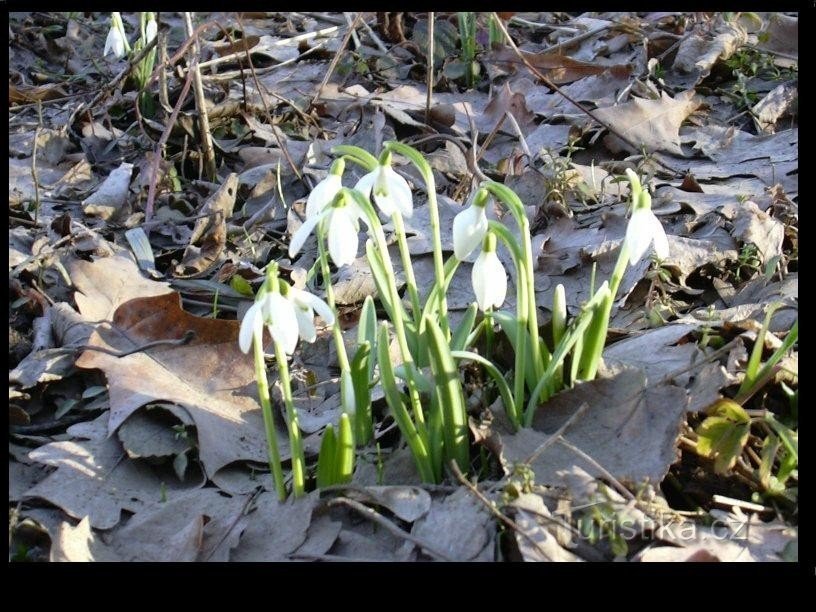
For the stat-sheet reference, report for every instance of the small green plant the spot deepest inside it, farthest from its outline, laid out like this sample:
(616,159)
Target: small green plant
(423,386)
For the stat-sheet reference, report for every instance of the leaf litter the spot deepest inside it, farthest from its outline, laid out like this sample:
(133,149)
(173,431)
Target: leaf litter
(169,464)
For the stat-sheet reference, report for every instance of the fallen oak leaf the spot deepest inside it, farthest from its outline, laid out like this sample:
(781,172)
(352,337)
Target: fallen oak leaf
(654,124)
(560,69)
(209,376)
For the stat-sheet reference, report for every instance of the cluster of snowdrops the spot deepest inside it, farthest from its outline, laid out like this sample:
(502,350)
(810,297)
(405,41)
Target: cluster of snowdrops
(424,392)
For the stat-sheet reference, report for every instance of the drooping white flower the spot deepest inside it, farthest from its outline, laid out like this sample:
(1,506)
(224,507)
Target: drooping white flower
(325,191)
(643,230)
(151,30)
(342,228)
(306,305)
(488,276)
(115,43)
(470,226)
(391,191)
(279,316)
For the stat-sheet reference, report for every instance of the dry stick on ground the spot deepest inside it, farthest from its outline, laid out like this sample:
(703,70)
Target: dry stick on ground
(110,86)
(34,177)
(494,510)
(430,62)
(154,171)
(281,144)
(201,103)
(378,518)
(554,88)
(336,59)
(604,472)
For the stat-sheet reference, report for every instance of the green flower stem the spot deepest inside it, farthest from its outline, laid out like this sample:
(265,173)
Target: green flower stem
(407,266)
(593,345)
(430,188)
(340,345)
(295,441)
(434,296)
(570,339)
(399,323)
(506,195)
(495,374)
(522,306)
(268,418)
(357,155)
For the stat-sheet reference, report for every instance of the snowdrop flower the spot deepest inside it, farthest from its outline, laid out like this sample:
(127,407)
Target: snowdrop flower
(116,42)
(279,316)
(391,191)
(342,220)
(306,305)
(488,276)
(151,29)
(325,191)
(470,226)
(644,228)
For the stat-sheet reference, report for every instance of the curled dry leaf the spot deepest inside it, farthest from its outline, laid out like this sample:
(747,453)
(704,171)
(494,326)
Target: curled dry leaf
(110,199)
(210,232)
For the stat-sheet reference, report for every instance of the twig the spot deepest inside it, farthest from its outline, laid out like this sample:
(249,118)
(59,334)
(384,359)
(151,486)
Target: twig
(335,59)
(373,35)
(378,518)
(558,433)
(430,62)
(34,177)
(277,43)
(604,472)
(185,339)
(491,507)
(355,39)
(201,105)
(281,145)
(154,171)
(554,88)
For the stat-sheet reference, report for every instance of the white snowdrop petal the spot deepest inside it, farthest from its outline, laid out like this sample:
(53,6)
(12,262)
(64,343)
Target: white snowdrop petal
(306,327)
(661,242)
(399,192)
(302,233)
(343,240)
(469,229)
(638,235)
(365,184)
(318,305)
(322,195)
(489,281)
(283,323)
(251,323)
(151,30)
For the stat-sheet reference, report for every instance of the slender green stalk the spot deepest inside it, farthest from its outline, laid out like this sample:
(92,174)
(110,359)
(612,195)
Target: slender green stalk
(521,309)
(295,441)
(268,417)
(433,208)
(508,196)
(399,323)
(407,266)
(340,345)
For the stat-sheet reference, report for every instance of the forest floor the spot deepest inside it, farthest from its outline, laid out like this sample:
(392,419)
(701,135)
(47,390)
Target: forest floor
(129,217)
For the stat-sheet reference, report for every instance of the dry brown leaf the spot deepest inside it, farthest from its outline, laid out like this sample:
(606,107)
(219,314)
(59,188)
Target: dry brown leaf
(209,376)
(106,283)
(560,69)
(628,428)
(505,100)
(654,124)
(94,479)
(210,232)
(276,528)
(458,525)
(699,52)
(110,200)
